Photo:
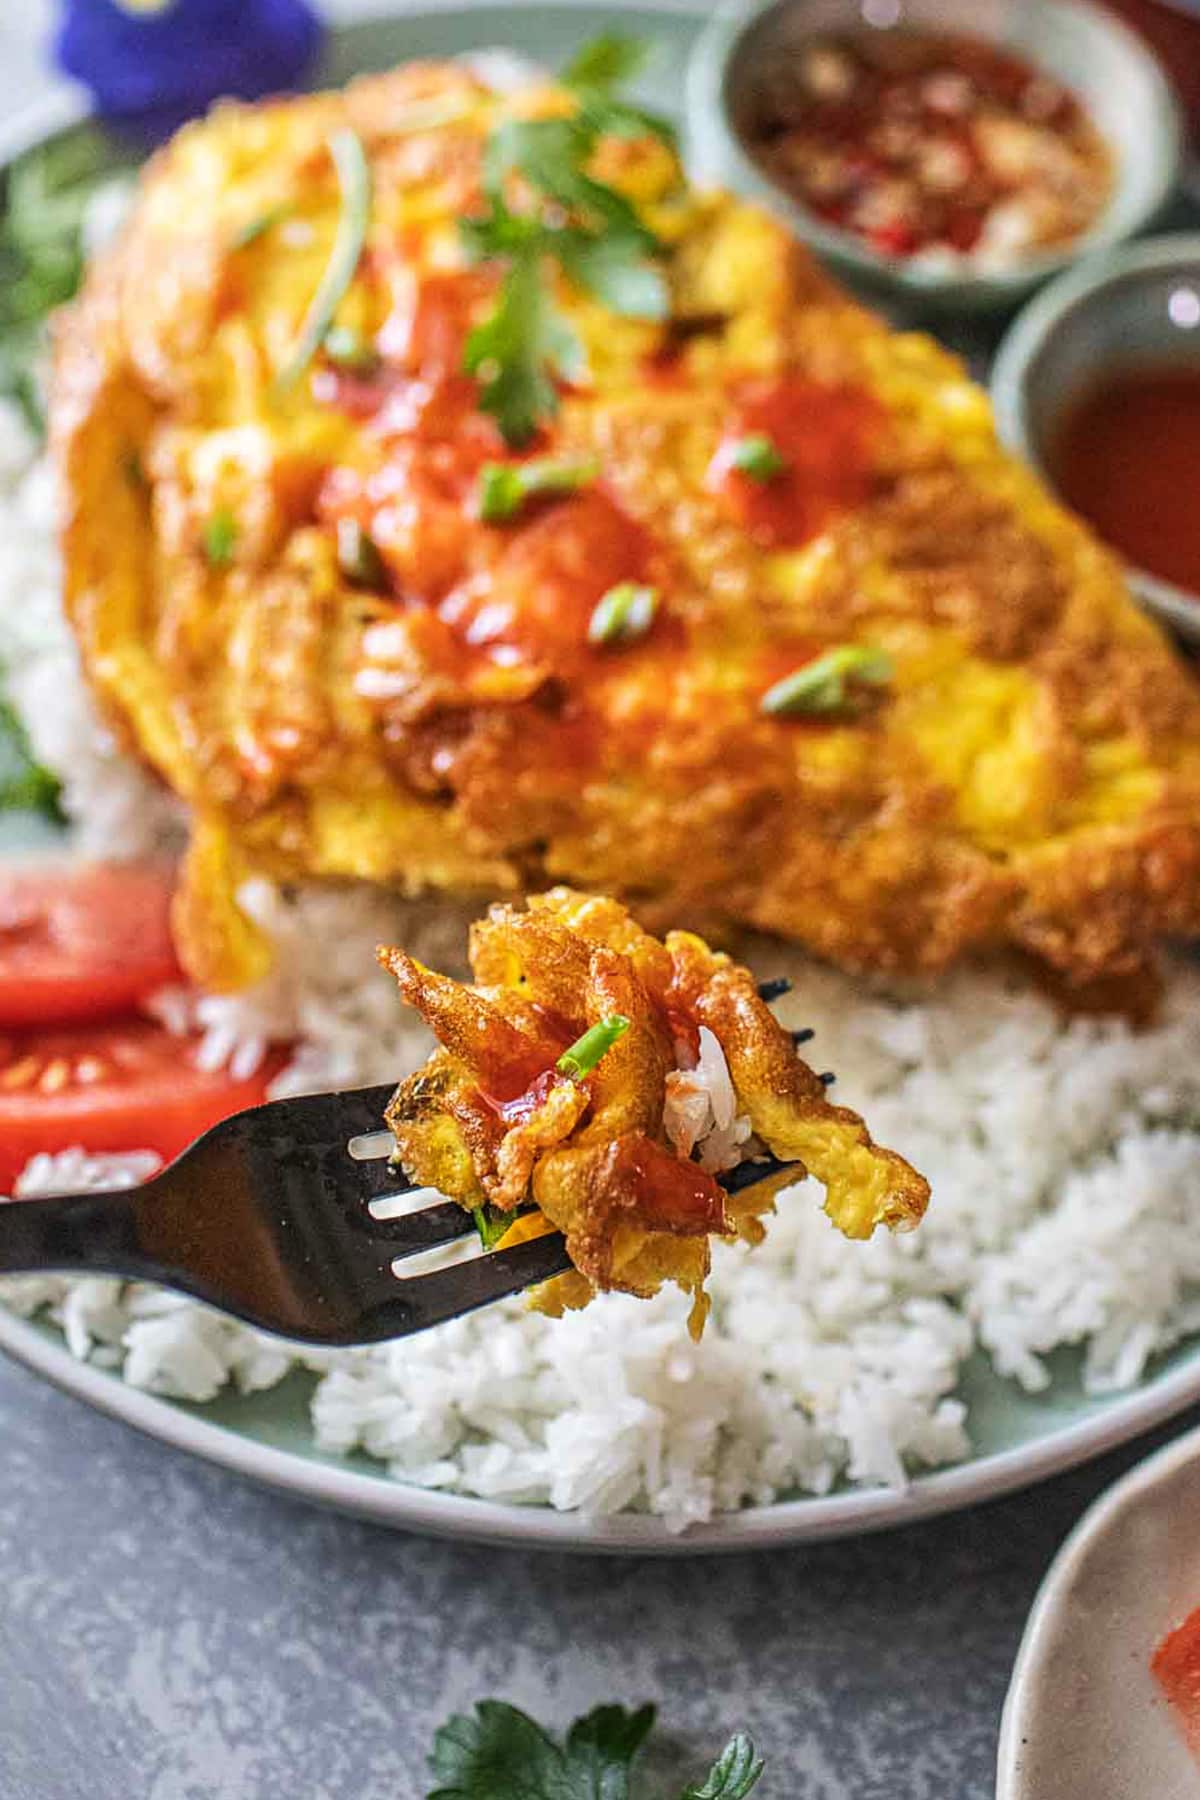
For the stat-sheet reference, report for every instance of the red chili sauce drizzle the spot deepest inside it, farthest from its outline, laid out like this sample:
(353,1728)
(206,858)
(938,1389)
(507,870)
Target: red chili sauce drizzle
(912,140)
(826,436)
(667,1192)
(1175,1666)
(671,1193)
(553,565)
(517,594)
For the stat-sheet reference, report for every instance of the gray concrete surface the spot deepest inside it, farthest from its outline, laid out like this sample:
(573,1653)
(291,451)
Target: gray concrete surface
(168,1632)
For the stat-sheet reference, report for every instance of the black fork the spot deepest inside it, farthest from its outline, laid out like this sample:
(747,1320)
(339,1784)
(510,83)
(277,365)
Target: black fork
(267,1217)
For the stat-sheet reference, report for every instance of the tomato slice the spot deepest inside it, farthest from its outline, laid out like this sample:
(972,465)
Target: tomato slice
(128,1085)
(82,941)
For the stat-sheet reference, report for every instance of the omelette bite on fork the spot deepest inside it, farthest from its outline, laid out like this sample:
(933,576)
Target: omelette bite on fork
(636,1095)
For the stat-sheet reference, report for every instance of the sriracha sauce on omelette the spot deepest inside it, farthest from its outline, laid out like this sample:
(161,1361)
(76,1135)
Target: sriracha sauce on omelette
(825,435)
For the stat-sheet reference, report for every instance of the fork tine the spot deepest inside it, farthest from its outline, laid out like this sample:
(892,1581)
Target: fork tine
(425,1229)
(448,1292)
(381,1180)
(368,1146)
(749,1174)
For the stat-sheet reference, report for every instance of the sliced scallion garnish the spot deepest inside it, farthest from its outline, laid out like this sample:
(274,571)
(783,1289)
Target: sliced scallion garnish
(583,1055)
(492,1224)
(258,227)
(504,488)
(820,686)
(354,183)
(351,350)
(358,555)
(625,613)
(757,456)
(220,538)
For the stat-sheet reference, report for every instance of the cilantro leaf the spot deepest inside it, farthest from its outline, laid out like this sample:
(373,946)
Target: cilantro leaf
(598,67)
(519,349)
(615,272)
(25,786)
(617,118)
(592,231)
(600,1749)
(605,61)
(550,154)
(734,1773)
(498,1754)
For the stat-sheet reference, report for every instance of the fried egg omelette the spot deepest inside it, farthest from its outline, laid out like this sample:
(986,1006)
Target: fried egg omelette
(604,1080)
(296,596)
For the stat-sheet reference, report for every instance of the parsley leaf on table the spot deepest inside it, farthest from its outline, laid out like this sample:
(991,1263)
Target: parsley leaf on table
(500,1753)
(734,1773)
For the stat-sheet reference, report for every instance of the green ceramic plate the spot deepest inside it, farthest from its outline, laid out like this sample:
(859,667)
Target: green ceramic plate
(1019,1438)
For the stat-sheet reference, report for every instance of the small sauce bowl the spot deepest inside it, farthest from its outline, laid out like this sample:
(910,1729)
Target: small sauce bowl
(1084,48)
(1134,312)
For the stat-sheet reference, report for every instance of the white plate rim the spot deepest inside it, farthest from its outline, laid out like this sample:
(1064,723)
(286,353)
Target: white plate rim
(402,1506)
(1123,1497)
(385,1501)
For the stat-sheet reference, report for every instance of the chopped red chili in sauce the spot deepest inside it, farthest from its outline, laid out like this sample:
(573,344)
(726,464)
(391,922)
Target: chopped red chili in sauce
(1175,1666)
(922,141)
(825,436)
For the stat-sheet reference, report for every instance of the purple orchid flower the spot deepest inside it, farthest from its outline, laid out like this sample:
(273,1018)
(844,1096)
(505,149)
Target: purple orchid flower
(149,67)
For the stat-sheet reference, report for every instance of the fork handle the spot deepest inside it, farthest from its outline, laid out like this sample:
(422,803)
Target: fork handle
(97,1233)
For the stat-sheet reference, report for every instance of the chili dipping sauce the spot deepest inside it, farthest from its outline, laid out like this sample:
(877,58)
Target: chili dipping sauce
(929,144)
(1125,456)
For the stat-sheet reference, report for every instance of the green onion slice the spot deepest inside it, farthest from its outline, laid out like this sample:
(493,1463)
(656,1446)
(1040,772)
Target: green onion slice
(358,555)
(258,227)
(504,488)
(492,1224)
(349,349)
(758,456)
(354,182)
(220,537)
(625,613)
(596,1042)
(820,686)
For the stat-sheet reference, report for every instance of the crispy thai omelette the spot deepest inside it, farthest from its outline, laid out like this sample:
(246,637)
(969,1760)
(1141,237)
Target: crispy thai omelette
(603,1081)
(456,500)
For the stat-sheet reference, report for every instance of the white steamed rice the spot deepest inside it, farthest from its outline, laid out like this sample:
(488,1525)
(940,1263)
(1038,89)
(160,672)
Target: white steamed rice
(1064,1157)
